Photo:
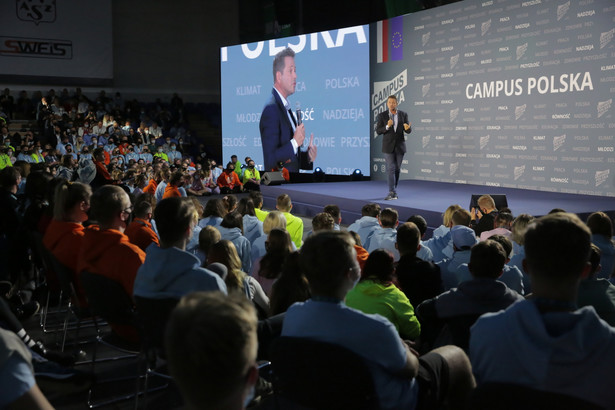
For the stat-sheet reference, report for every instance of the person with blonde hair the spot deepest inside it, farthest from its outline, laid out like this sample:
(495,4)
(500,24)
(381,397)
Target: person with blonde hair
(274,219)
(484,215)
(294,225)
(64,236)
(447,221)
(237,281)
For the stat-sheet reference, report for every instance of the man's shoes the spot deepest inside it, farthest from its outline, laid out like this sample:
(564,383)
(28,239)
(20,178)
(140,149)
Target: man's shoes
(391,196)
(27,310)
(62,358)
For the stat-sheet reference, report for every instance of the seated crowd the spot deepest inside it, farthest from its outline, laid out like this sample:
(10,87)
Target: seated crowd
(488,298)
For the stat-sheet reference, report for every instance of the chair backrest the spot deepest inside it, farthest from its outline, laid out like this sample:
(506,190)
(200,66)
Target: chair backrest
(154,315)
(108,299)
(508,396)
(318,375)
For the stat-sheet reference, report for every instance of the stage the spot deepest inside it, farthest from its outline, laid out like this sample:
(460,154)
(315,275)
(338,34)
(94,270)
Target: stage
(428,199)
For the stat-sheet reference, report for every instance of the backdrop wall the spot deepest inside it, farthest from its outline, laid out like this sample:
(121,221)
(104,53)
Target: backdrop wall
(500,93)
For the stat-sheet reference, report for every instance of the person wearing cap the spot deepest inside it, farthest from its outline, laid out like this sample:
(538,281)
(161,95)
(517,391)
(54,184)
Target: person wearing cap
(463,239)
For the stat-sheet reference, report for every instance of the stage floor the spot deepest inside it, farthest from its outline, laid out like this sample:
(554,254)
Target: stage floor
(428,199)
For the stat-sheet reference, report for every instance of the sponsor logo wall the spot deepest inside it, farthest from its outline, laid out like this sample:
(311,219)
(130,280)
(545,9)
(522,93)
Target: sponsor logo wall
(500,93)
(56,38)
(332,91)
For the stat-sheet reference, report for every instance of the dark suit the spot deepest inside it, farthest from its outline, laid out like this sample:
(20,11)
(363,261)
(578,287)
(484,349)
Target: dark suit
(393,144)
(276,135)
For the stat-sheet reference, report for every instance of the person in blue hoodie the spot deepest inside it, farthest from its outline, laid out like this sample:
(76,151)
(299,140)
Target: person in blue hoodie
(368,223)
(546,342)
(169,271)
(231,229)
(252,227)
(463,240)
(386,236)
(214,211)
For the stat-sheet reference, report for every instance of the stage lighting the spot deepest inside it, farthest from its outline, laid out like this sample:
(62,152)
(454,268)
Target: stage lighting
(319,175)
(356,175)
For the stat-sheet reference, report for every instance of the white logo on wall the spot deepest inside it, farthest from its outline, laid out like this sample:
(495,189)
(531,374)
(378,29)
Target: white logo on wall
(604,106)
(606,37)
(425,38)
(454,60)
(426,139)
(562,9)
(519,111)
(453,167)
(558,142)
(37,11)
(521,50)
(519,171)
(484,141)
(484,27)
(453,114)
(426,89)
(602,176)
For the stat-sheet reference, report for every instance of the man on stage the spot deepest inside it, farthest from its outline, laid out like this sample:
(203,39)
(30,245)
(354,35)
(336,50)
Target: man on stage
(282,134)
(392,124)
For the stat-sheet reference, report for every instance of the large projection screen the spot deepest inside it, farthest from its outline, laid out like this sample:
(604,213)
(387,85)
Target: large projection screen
(502,93)
(332,90)
(47,41)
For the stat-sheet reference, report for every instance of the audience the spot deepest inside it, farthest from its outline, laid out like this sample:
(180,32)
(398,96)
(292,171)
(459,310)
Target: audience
(546,342)
(459,307)
(400,377)
(94,150)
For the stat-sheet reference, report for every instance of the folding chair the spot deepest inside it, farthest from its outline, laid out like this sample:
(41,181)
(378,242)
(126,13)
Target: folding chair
(308,374)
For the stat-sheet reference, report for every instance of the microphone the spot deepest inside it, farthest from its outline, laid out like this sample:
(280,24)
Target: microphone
(298,110)
(306,142)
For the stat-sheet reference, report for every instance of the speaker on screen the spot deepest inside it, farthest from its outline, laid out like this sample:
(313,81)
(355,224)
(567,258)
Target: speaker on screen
(272,178)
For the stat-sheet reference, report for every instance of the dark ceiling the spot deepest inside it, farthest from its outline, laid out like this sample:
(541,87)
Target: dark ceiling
(263,19)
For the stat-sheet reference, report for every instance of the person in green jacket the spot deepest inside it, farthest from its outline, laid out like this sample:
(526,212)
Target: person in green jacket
(377,293)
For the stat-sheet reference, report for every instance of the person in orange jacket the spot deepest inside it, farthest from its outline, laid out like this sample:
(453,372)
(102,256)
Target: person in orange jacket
(65,235)
(172,188)
(109,252)
(228,181)
(140,231)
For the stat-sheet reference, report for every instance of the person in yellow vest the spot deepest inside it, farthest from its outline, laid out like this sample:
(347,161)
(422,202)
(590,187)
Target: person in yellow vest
(294,225)
(5,159)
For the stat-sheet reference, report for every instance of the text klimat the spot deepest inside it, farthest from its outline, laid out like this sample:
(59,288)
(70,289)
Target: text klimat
(533,85)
